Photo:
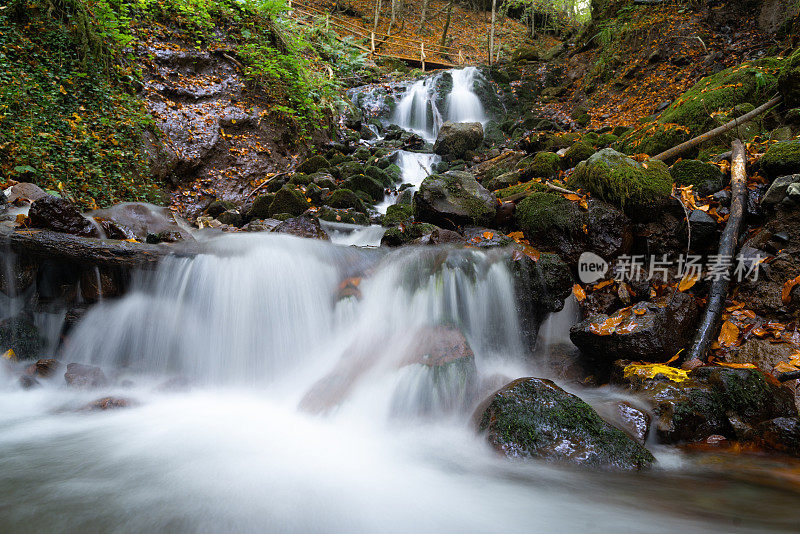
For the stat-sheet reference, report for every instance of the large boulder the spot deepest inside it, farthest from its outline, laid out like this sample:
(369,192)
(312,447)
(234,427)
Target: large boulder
(288,200)
(782,158)
(456,139)
(552,222)
(145,222)
(534,418)
(453,199)
(650,331)
(789,80)
(705,177)
(778,190)
(53,213)
(302,227)
(693,405)
(641,190)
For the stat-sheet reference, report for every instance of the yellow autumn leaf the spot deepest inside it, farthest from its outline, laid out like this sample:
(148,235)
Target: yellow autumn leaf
(488,235)
(687,282)
(728,335)
(579,293)
(650,370)
(10,355)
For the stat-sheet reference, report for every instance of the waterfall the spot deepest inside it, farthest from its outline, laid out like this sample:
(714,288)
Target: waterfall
(417,111)
(463,105)
(414,168)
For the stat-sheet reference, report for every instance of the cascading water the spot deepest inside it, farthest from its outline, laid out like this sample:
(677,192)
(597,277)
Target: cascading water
(307,410)
(417,111)
(463,105)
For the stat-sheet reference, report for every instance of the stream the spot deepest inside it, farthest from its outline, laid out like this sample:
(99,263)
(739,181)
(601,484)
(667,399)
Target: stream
(263,399)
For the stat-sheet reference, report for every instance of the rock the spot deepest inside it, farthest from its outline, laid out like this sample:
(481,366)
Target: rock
(259,209)
(526,52)
(219,206)
(452,199)
(231,218)
(576,153)
(52,213)
(782,434)
(140,220)
(289,201)
(403,234)
(302,227)
(782,158)
(544,165)
(349,215)
(551,222)
(706,401)
(313,164)
(398,214)
(47,367)
(83,376)
(457,139)
(641,190)
(345,198)
(635,422)
(28,382)
(763,354)
(648,331)
(504,180)
(20,334)
(25,192)
(262,225)
(534,418)
(789,81)
(706,178)
(362,183)
(108,403)
(704,227)
(481,237)
(440,236)
(778,190)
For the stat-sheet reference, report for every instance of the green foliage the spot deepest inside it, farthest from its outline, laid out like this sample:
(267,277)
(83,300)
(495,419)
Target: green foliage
(542,211)
(68,120)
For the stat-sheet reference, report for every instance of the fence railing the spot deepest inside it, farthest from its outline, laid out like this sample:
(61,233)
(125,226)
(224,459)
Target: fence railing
(382,44)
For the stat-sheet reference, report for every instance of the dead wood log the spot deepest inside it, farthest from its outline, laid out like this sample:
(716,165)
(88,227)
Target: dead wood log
(716,132)
(710,322)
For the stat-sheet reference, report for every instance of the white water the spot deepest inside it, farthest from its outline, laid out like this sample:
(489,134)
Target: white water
(417,111)
(463,105)
(414,168)
(254,329)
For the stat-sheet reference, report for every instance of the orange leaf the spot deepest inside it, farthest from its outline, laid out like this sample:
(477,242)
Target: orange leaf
(786,294)
(572,196)
(579,293)
(687,282)
(607,327)
(677,355)
(601,285)
(737,365)
(488,235)
(729,334)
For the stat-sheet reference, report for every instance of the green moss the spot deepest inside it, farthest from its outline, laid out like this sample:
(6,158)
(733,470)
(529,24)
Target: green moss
(504,180)
(300,179)
(376,173)
(606,140)
(623,182)
(544,165)
(288,200)
(578,152)
(789,80)
(705,177)
(394,172)
(782,158)
(313,164)
(350,168)
(345,198)
(400,235)
(539,212)
(261,207)
(361,183)
(348,215)
(398,214)
(520,188)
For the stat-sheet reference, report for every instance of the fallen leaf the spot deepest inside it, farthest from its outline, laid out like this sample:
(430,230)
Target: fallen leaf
(687,282)
(786,294)
(488,235)
(10,355)
(601,285)
(579,293)
(729,335)
(737,365)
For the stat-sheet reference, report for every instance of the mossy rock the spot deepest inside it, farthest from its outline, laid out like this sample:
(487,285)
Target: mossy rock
(362,154)
(394,172)
(217,207)
(578,152)
(782,158)
(345,198)
(534,418)
(706,178)
(789,80)
(606,140)
(640,190)
(300,179)
(398,214)
(544,165)
(654,138)
(361,183)
(452,199)
(535,185)
(401,235)
(526,52)
(378,174)
(350,168)
(543,211)
(313,164)
(337,158)
(343,215)
(289,201)
(503,181)
(260,207)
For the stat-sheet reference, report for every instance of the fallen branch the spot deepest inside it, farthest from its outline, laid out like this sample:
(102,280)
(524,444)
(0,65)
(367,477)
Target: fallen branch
(519,196)
(716,132)
(710,322)
(265,182)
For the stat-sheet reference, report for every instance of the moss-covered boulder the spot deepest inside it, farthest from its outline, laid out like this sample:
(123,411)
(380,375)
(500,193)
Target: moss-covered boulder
(452,199)
(361,183)
(348,169)
(458,139)
(641,190)
(504,180)
(289,201)
(534,418)
(313,164)
(343,215)
(398,214)
(551,222)
(782,158)
(789,80)
(544,165)
(260,207)
(531,185)
(380,175)
(216,207)
(394,172)
(578,152)
(406,233)
(694,112)
(345,198)
(706,178)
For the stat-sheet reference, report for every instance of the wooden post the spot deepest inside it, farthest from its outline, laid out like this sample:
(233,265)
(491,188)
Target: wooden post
(372,41)
(422,55)
(327,21)
(460,57)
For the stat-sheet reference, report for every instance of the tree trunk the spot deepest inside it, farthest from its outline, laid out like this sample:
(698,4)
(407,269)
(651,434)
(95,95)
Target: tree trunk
(709,324)
(393,18)
(491,32)
(443,42)
(378,5)
(422,16)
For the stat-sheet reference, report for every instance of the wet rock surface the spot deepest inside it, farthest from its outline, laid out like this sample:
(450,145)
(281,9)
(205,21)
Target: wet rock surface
(302,227)
(534,418)
(52,213)
(452,199)
(84,376)
(458,139)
